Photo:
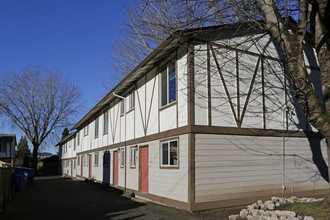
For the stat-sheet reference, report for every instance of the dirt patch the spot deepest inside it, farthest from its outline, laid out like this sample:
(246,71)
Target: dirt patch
(318,210)
(222,213)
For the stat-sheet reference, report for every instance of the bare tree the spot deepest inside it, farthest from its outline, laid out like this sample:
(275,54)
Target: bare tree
(39,103)
(150,22)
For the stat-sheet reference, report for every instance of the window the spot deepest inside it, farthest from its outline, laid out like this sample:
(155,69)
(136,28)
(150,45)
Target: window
(133,156)
(122,109)
(78,138)
(131,99)
(96,159)
(87,159)
(169,153)
(106,122)
(168,84)
(74,143)
(86,130)
(74,163)
(96,127)
(78,161)
(122,157)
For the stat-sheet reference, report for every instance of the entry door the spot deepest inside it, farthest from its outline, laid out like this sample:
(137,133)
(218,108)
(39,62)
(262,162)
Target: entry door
(82,165)
(115,176)
(106,167)
(144,169)
(90,166)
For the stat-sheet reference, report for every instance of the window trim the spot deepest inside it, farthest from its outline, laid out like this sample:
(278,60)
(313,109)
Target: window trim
(122,157)
(131,100)
(168,140)
(96,156)
(86,130)
(167,67)
(96,127)
(106,113)
(122,107)
(78,138)
(135,150)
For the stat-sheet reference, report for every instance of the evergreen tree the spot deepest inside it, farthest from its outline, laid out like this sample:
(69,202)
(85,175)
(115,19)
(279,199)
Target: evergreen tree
(23,152)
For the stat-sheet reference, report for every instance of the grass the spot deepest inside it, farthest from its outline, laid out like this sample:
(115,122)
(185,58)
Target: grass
(318,210)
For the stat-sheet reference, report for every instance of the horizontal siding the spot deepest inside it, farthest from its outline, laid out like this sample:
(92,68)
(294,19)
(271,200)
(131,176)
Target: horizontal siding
(228,167)
(169,183)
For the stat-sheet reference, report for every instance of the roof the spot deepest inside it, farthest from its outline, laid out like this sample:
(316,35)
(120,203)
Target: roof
(8,137)
(173,41)
(66,138)
(52,158)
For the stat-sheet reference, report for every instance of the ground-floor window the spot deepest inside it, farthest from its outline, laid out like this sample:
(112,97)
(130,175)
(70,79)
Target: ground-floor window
(78,161)
(96,159)
(132,156)
(122,157)
(169,153)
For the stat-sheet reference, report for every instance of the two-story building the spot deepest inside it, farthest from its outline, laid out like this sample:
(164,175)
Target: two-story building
(206,120)
(7,148)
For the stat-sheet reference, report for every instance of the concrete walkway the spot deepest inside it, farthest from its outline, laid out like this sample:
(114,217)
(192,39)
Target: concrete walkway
(57,198)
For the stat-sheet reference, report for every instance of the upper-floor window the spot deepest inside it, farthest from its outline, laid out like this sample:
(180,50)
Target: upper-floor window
(168,84)
(106,122)
(74,143)
(169,153)
(86,130)
(96,127)
(131,100)
(122,107)
(78,138)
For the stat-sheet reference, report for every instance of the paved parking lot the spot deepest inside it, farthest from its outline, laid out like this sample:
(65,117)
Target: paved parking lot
(68,199)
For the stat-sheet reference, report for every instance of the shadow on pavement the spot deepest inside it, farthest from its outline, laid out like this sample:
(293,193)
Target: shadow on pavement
(57,198)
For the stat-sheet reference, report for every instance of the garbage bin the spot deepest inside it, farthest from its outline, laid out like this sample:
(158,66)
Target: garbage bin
(20,180)
(30,173)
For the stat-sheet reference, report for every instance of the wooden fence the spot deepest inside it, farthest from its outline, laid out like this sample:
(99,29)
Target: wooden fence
(7,189)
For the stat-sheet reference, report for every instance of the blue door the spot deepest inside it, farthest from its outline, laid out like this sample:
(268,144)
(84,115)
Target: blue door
(106,168)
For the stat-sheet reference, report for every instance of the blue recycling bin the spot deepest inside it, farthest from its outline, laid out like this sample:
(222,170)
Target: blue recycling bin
(30,173)
(20,180)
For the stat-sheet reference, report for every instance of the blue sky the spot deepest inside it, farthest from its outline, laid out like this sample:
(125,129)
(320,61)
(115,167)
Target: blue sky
(73,35)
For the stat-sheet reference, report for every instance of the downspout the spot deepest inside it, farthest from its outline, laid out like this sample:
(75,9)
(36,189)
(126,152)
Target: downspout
(283,151)
(125,161)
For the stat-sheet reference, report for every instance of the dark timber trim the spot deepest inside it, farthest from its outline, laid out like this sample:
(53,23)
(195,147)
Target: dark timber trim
(225,86)
(204,129)
(209,94)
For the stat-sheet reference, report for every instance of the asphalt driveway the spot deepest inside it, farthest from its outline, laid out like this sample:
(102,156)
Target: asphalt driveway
(68,199)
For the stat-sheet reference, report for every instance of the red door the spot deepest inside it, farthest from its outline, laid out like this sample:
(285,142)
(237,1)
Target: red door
(116,169)
(144,169)
(82,165)
(90,166)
